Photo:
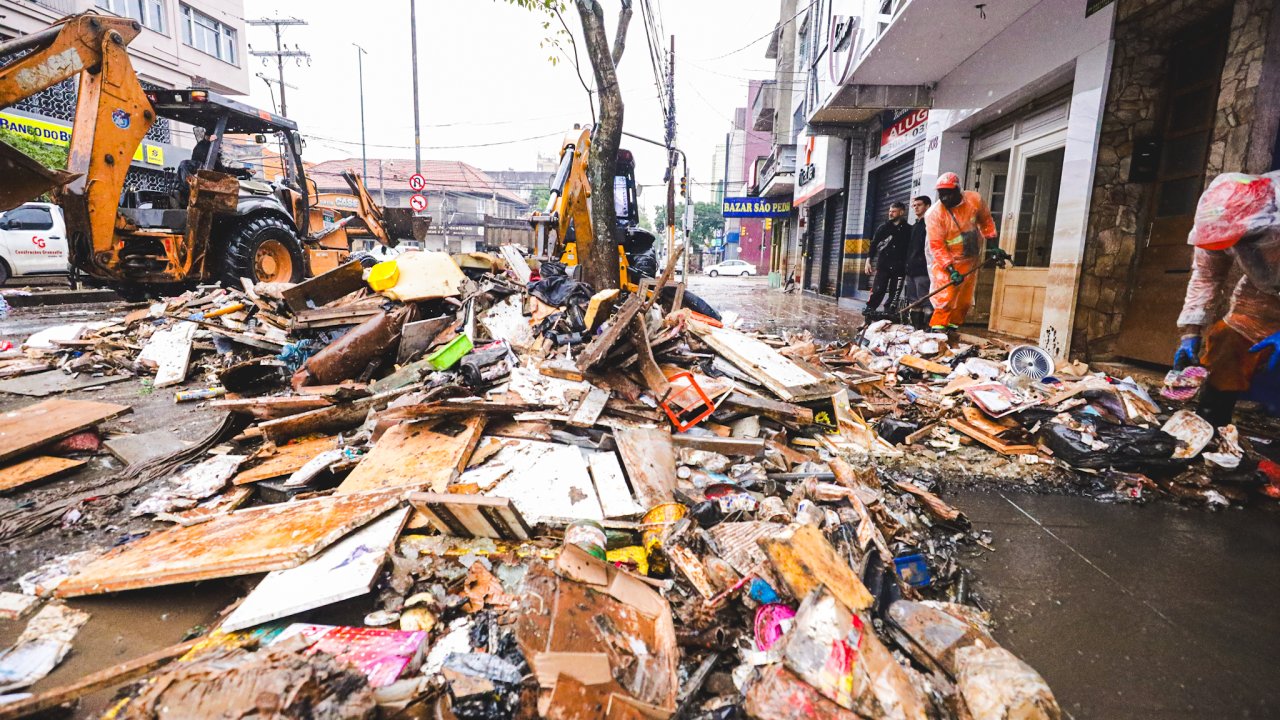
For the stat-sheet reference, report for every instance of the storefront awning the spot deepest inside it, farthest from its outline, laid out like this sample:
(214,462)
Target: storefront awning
(930,38)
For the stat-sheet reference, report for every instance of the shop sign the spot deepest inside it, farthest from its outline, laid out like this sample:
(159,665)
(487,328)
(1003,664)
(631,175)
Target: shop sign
(53,133)
(904,131)
(755,207)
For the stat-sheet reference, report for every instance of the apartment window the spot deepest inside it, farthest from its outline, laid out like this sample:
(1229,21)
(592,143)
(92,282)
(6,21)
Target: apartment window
(148,12)
(208,35)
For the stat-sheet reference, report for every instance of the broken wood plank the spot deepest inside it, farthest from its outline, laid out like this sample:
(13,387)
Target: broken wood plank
(336,418)
(654,379)
(136,449)
(616,500)
(285,460)
(336,316)
(245,542)
(344,570)
(516,262)
(170,351)
(741,402)
(205,511)
(589,408)
(923,365)
(273,408)
(55,381)
(562,369)
(101,680)
(601,344)
(325,287)
(747,447)
(472,516)
(650,459)
(991,442)
(546,480)
(978,419)
(601,301)
(803,559)
(35,425)
(788,379)
(417,455)
(33,469)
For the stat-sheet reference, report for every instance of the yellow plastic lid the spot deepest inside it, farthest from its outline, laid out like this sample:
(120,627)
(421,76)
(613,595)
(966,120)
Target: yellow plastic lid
(384,276)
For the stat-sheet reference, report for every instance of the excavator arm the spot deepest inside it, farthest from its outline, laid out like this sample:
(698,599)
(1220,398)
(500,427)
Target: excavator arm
(112,115)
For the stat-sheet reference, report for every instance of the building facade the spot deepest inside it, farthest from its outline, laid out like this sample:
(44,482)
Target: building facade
(183,44)
(469,210)
(1090,129)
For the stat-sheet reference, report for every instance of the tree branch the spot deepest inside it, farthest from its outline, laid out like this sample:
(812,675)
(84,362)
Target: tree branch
(620,35)
(591,102)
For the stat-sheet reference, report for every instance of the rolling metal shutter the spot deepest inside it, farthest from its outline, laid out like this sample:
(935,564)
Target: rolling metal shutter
(813,247)
(889,183)
(833,248)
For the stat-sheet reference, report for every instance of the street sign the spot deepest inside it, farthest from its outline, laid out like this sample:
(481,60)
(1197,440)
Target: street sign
(418,203)
(417,182)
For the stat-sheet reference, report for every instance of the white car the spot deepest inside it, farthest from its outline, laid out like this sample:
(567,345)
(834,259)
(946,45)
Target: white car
(33,241)
(731,267)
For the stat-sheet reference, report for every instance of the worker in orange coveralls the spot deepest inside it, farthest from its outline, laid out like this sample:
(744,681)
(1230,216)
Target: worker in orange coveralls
(1237,223)
(958,227)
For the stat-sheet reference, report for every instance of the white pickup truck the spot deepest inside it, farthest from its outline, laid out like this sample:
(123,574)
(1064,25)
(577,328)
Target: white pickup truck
(33,241)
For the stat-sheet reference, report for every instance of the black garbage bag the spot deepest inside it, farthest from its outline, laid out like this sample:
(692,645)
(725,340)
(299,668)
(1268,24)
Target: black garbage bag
(1129,447)
(561,290)
(895,430)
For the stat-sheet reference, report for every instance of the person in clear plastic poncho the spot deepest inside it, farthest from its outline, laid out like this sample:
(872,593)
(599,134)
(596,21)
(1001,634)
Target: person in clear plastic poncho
(957,228)
(1237,223)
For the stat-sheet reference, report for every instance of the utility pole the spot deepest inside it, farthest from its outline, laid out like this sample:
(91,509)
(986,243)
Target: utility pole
(417,133)
(671,144)
(364,156)
(280,53)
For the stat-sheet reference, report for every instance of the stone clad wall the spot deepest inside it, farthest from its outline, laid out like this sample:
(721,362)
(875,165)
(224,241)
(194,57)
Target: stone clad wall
(1118,208)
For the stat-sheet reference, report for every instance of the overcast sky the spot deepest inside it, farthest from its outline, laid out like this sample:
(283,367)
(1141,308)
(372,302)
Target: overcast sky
(486,82)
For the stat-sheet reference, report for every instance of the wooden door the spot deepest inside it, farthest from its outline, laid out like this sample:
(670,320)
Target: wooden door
(1017,305)
(1149,330)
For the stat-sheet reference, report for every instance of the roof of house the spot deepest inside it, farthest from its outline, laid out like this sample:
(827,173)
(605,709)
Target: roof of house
(441,176)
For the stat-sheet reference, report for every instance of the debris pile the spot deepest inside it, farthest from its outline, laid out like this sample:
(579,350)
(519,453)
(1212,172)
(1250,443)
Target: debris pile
(480,491)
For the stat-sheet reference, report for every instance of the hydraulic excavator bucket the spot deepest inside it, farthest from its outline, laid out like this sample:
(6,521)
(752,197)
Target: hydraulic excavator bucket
(26,179)
(403,223)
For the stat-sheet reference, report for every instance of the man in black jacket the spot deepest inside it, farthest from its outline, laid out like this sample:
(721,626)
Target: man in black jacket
(916,284)
(888,255)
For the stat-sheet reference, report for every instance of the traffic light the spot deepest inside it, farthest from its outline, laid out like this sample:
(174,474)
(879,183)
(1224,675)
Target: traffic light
(684,186)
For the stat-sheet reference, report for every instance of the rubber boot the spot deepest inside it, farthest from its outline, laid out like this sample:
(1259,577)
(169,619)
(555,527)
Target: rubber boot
(1217,406)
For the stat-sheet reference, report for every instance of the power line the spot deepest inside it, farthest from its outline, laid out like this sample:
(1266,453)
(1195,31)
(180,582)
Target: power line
(280,53)
(512,141)
(762,37)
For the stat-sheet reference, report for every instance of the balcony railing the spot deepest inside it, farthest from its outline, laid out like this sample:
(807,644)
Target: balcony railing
(62,7)
(781,160)
(765,106)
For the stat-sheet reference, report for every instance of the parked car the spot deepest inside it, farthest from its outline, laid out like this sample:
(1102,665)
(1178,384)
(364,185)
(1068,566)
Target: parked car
(33,241)
(731,267)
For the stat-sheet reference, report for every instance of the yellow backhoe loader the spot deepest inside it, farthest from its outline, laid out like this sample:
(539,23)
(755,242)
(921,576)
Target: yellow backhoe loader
(215,223)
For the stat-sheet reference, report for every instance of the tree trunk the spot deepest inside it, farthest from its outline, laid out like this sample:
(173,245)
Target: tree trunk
(599,259)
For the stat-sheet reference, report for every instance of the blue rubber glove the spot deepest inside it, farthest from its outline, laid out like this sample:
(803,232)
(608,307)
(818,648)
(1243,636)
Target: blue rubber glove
(1271,343)
(1188,352)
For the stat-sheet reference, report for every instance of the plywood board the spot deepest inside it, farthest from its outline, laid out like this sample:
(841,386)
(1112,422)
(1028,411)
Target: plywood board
(325,287)
(427,455)
(506,321)
(418,337)
(424,276)
(55,381)
(285,460)
(786,378)
(616,500)
(992,442)
(346,569)
(516,261)
(548,480)
(650,460)
(589,408)
(474,516)
(170,350)
(256,540)
(30,427)
(137,449)
(33,469)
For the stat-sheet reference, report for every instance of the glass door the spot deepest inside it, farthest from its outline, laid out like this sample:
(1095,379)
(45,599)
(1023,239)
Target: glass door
(992,182)
(1031,211)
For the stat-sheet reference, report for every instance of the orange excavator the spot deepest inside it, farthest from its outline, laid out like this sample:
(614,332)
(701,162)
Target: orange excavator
(216,222)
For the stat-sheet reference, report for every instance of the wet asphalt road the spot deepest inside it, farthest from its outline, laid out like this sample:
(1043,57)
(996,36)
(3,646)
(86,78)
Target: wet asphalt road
(1155,611)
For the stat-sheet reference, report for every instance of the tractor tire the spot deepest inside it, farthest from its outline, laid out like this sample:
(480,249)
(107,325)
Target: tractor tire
(365,259)
(714,273)
(263,249)
(4,272)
